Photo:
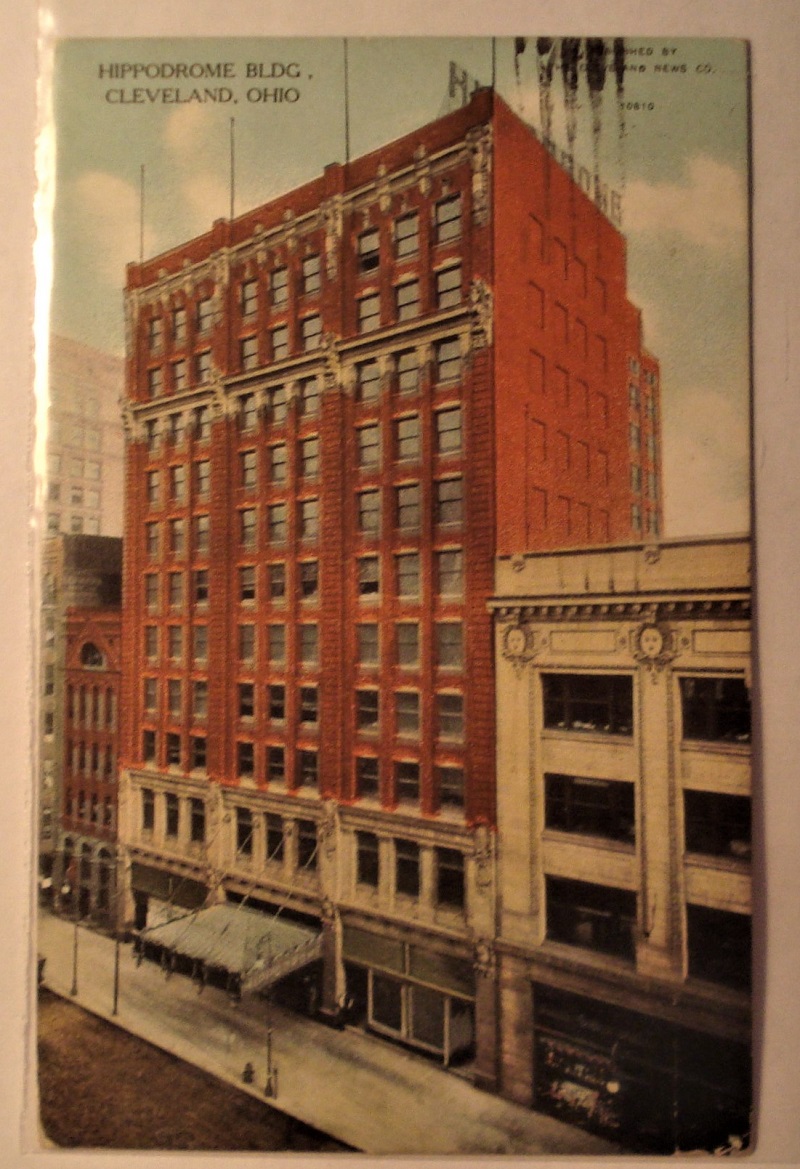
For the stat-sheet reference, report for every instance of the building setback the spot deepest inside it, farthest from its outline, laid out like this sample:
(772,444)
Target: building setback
(624,884)
(341,407)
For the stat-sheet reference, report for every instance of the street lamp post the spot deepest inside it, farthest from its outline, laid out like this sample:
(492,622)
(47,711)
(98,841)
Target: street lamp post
(74,988)
(271,1084)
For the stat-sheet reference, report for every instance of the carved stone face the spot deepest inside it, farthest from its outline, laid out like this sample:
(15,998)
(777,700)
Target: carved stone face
(651,641)
(515,641)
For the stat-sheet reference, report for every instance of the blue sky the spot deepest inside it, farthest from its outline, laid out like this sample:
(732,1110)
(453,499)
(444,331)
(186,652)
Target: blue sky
(680,161)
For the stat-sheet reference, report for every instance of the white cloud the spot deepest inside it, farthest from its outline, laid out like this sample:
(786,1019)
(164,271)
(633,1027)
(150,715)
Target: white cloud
(706,463)
(108,211)
(709,207)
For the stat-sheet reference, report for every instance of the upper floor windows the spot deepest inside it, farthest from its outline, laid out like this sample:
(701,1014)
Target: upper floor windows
(249,295)
(715,709)
(593,807)
(407,300)
(368,251)
(407,235)
(601,703)
(311,275)
(205,314)
(448,287)
(179,325)
(279,286)
(448,219)
(369,313)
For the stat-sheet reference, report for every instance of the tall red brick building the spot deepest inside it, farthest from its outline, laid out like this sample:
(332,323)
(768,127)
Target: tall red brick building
(341,407)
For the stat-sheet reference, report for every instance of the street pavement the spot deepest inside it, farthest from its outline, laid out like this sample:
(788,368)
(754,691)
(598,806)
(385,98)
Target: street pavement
(359,1089)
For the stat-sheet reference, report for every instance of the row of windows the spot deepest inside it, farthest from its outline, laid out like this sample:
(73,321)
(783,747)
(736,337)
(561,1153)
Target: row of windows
(714,709)
(600,918)
(92,706)
(92,759)
(91,810)
(78,496)
(449,887)
(76,524)
(447,227)
(716,824)
(635,401)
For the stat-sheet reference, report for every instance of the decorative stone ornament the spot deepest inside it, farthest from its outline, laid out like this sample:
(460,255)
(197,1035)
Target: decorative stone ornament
(653,645)
(518,647)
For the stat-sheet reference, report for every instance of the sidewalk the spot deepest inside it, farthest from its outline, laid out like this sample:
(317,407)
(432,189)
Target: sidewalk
(358,1089)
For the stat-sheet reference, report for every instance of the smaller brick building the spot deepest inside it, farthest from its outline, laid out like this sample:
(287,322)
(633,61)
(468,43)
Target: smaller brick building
(86,877)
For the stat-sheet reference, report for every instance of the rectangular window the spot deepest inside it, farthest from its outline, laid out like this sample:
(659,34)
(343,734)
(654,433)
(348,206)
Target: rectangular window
(306,844)
(448,431)
(369,511)
(155,382)
(205,313)
(202,479)
(175,590)
(715,710)
(450,781)
(636,517)
(172,814)
(307,775)
(175,642)
(277,523)
(249,298)
(406,877)
(275,845)
(448,501)
(406,235)
(277,581)
(276,765)
(177,484)
(449,877)
(407,643)
(369,251)
(369,445)
(148,809)
(279,337)
(592,807)
(367,637)
(309,457)
(247,700)
(448,287)
(367,776)
(155,334)
(248,412)
(719,944)
(153,488)
(311,275)
(308,578)
(244,832)
(150,694)
(367,859)
(202,532)
(634,436)
(174,697)
(449,644)
(276,643)
(247,643)
(179,325)
(200,643)
(279,286)
(276,702)
(151,540)
(594,917)
(448,219)
(245,764)
(636,478)
(248,470)
(367,709)
(278,463)
(408,574)
(308,705)
(597,703)
(368,381)
(149,746)
(407,437)
(369,313)
(407,372)
(308,645)
(633,396)
(173,750)
(406,780)
(717,824)
(368,576)
(448,360)
(200,699)
(198,745)
(406,706)
(247,527)
(449,572)
(180,380)
(197,821)
(203,368)
(450,716)
(309,397)
(201,586)
(407,301)
(308,519)
(311,332)
(408,507)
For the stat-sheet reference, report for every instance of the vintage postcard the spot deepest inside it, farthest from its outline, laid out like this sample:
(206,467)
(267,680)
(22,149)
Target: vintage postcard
(396,685)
